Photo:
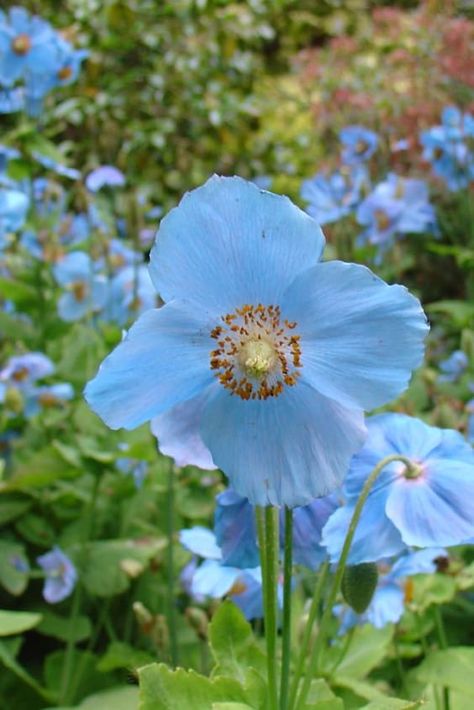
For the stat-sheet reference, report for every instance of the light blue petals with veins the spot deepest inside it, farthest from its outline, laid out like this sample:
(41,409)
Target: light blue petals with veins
(212,579)
(163,360)
(360,338)
(308,524)
(229,243)
(236,533)
(200,541)
(179,436)
(308,461)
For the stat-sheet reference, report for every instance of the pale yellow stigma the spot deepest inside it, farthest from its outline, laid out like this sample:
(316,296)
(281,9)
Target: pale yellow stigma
(257,357)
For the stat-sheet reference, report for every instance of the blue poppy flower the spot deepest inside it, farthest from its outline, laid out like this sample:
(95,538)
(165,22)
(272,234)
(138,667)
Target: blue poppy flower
(235,530)
(136,468)
(397,206)
(26,45)
(131,293)
(12,99)
(433,506)
(84,290)
(13,208)
(446,147)
(332,197)
(61,575)
(38,398)
(359,144)
(388,603)
(453,367)
(104,176)
(23,370)
(285,351)
(215,579)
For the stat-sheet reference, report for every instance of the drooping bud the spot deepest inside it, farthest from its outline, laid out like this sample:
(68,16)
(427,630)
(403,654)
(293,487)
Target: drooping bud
(358,585)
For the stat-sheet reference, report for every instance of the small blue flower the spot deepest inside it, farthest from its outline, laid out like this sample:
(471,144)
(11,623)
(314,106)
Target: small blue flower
(61,575)
(84,290)
(22,371)
(332,197)
(446,148)
(359,144)
(26,45)
(38,398)
(13,208)
(397,206)
(453,367)
(104,176)
(433,506)
(137,468)
(388,603)
(131,292)
(286,352)
(215,579)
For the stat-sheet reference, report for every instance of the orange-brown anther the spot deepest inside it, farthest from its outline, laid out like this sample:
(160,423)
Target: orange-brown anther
(65,73)
(79,289)
(257,355)
(21,44)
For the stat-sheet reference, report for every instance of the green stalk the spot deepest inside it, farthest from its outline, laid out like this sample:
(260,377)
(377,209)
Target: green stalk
(305,643)
(326,617)
(170,568)
(267,526)
(443,643)
(286,638)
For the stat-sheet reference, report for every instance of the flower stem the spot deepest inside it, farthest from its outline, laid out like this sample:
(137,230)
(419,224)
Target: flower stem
(443,643)
(326,617)
(313,611)
(267,525)
(171,611)
(286,639)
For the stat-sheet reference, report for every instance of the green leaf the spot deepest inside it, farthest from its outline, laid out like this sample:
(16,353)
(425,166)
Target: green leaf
(105,571)
(233,644)
(461,312)
(61,628)
(393,704)
(16,291)
(367,649)
(432,589)
(121,655)
(15,622)
(36,529)
(13,579)
(113,699)
(452,668)
(320,696)
(92,681)
(162,689)
(12,506)
(7,657)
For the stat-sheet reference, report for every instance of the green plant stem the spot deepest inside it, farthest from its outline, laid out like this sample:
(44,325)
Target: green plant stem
(312,668)
(170,568)
(286,632)
(443,643)
(305,643)
(399,662)
(267,525)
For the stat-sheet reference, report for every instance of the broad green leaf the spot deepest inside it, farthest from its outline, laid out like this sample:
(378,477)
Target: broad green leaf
(233,644)
(36,529)
(393,704)
(452,668)
(8,652)
(162,689)
(231,706)
(105,571)
(367,649)
(121,655)
(432,589)
(16,291)
(12,561)
(12,506)
(114,699)
(321,696)
(15,622)
(61,627)
(92,680)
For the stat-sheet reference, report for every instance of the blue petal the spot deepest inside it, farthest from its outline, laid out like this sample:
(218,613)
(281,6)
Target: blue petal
(361,338)
(236,534)
(387,605)
(250,599)
(376,538)
(229,243)
(178,434)
(419,562)
(438,507)
(214,580)
(285,450)
(308,523)
(163,360)
(200,541)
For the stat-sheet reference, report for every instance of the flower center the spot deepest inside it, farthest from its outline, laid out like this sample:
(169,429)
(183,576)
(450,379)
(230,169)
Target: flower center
(360,147)
(79,289)
(65,73)
(257,353)
(382,220)
(20,374)
(21,44)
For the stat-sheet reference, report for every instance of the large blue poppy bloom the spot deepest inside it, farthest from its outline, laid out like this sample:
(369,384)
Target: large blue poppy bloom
(434,506)
(281,352)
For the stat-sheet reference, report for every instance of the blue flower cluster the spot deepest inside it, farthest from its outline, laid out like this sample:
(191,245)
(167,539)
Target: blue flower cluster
(448,147)
(34,59)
